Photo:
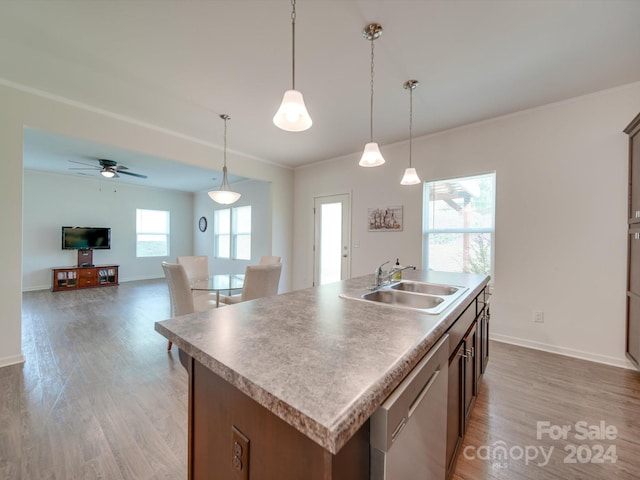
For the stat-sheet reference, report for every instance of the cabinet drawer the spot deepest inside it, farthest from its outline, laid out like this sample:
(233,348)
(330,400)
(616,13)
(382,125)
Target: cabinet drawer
(458,330)
(87,272)
(86,281)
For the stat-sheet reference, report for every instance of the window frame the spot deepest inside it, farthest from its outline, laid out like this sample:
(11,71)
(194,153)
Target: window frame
(233,234)
(166,234)
(426,231)
(217,234)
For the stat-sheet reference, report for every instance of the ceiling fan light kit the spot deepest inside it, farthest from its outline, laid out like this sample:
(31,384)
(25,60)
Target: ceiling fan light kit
(224,195)
(292,115)
(106,172)
(371,157)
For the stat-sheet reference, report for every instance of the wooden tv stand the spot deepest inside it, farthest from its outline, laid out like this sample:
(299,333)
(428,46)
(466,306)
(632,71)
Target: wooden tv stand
(71,278)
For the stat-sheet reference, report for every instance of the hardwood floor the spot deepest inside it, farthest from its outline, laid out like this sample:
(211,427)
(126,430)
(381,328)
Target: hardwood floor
(99,397)
(523,387)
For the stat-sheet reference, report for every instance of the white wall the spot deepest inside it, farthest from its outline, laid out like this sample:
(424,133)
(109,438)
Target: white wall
(51,201)
(28,108)
(561,173)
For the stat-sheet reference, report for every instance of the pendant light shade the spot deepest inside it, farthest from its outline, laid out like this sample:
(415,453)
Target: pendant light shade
(292,115)
(224,195)
(371,157)
(410,175)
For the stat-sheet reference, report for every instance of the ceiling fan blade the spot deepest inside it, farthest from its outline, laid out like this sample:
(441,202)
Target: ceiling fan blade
(85,164)
(133,174)
(82,168)
(119,167)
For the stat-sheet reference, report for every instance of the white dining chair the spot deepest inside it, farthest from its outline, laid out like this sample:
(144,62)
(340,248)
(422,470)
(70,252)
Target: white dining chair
(269,260)
(197,268)
(259,281)
(180,297)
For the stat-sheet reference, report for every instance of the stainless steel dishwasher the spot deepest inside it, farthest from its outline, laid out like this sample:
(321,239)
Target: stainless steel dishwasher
(409,430)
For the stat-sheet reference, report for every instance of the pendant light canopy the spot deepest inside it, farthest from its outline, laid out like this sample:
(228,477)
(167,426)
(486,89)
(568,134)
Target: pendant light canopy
(292,115)
(410,175)
(224,195)
(371,157)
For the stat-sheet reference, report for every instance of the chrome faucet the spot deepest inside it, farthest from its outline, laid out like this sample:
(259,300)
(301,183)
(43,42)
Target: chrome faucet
(378,274)
(382,278)
(396,270)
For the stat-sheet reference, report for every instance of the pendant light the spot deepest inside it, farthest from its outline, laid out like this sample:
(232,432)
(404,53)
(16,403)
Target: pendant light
(371,157)
(224,195)
(410,175)
(292,115)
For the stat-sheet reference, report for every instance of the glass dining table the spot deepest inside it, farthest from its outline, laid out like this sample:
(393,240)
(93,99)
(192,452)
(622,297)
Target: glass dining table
(221,282)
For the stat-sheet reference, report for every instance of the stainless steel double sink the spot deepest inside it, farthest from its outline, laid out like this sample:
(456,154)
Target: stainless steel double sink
(424,297)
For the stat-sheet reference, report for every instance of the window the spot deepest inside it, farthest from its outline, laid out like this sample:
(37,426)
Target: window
(241,231)
(222,233)
(232,233)
(458,225)
(152,233)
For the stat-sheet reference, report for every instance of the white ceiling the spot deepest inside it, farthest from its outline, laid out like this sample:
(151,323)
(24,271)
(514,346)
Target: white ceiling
(178,64)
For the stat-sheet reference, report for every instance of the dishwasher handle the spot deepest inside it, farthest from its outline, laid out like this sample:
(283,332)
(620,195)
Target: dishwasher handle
(423,393)
(416,403)
(388,421)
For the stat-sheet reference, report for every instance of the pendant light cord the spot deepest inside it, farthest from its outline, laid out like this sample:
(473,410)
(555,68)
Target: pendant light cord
(410,123)
(225,182)
(371,105)
(225,141)
(293,45)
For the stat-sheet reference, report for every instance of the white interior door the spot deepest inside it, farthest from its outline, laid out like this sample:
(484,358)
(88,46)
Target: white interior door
(332,217)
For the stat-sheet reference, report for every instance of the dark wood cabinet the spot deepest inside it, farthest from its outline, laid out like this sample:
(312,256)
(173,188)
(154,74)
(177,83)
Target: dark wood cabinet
(633,247)
(484,316)
(455,401)
(470,371)
(467,361)
(70,278)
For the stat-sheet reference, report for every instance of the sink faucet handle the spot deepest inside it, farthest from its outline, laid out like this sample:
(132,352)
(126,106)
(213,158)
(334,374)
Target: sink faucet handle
(379,269)
(378,274)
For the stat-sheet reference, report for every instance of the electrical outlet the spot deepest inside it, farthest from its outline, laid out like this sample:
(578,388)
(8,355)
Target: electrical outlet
(538,317)
(239,453)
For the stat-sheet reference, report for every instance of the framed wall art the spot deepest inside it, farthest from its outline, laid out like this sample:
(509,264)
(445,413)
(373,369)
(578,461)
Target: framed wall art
(385,219)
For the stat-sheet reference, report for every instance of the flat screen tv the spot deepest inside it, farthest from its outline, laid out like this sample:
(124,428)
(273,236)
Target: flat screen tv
(86,238)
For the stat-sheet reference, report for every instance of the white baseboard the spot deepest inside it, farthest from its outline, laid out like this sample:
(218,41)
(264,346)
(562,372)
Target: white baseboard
(12,360)
(568,352)
(36,288)
(48,287)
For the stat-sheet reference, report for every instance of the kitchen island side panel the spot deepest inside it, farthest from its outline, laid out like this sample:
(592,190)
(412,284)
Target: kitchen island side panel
(276,449)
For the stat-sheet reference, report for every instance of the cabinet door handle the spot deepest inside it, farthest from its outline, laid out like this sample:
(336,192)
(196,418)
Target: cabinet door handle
(637,213)
(636,236)
(470,353)
(462,354)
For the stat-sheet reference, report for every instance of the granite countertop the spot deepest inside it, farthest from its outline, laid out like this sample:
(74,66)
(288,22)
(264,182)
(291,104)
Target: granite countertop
(321,363)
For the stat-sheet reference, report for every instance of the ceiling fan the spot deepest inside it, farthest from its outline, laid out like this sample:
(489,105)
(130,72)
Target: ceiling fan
(107,168)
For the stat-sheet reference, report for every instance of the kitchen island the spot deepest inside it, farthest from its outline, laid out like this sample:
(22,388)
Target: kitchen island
(283,387)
